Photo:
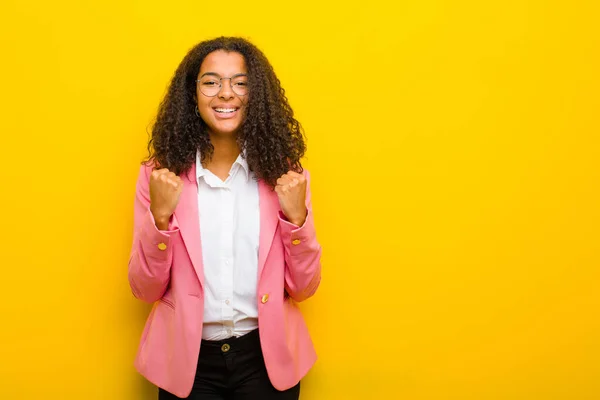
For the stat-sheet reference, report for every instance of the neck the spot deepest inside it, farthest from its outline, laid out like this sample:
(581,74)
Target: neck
(226,151)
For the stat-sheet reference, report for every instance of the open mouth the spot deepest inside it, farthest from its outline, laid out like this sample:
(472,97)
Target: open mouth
(225,111)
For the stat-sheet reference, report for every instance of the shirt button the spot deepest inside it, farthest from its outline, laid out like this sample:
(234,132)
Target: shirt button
(227,302)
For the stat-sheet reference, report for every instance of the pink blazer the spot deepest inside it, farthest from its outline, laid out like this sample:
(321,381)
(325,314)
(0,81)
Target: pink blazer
(165,268)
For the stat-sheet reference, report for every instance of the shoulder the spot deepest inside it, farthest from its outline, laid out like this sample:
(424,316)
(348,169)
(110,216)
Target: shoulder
(145,171)
(306,174)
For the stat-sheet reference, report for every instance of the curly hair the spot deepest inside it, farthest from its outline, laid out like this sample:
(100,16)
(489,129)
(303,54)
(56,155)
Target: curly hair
(270,136)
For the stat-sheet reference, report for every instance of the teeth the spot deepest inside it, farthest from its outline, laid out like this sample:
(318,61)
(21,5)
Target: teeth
(225,110)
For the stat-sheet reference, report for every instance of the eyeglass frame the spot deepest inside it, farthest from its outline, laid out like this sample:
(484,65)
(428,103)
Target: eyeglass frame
(221,84)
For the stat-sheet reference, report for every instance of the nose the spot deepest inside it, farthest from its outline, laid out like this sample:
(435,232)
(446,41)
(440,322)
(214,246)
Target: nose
(226,92)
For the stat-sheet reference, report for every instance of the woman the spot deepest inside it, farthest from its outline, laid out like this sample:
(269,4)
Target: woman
(224,241)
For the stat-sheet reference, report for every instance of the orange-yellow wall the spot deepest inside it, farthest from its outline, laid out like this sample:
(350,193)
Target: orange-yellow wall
(454,151)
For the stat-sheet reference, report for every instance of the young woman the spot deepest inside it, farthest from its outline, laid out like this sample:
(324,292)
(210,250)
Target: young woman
(224,241)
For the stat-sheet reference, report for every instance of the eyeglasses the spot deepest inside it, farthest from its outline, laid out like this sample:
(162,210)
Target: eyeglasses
(210,84)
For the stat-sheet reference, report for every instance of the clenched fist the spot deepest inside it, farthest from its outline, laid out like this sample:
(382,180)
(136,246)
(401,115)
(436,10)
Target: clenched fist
(291,190)
(165,188)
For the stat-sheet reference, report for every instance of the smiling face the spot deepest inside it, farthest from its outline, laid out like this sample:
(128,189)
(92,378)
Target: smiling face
(222,109)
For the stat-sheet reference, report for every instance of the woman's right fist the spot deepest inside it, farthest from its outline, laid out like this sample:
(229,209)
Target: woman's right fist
(165,188)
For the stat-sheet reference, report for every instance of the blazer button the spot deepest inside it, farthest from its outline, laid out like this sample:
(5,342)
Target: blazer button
(265,298)
(296,242)
(225,348)
(162,246)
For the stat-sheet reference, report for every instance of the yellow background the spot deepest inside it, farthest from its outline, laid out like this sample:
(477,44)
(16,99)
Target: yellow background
(454,151)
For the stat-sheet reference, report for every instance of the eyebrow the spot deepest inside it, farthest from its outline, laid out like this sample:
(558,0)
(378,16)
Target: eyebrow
(219,76)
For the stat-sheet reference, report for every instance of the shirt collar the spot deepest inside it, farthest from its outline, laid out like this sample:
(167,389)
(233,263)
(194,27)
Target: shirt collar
(201,171)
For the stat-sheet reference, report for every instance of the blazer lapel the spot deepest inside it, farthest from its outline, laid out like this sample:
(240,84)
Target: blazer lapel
(269,218)
(189,221)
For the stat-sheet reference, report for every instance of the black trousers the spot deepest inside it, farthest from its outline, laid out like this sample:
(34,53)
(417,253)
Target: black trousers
(233,369)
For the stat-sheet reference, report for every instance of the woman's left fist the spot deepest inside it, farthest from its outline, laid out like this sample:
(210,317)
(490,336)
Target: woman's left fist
(291,190)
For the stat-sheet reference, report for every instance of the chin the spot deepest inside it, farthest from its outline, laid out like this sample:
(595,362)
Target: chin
(225,129)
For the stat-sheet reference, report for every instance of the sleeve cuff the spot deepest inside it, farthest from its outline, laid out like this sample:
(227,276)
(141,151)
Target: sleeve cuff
(293,234)
(287,222)
(157,243)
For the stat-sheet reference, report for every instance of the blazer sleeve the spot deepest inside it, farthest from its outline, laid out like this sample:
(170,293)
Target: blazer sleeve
(302,253)
(151,252)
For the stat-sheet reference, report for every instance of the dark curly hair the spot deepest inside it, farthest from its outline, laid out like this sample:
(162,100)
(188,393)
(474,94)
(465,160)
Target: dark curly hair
(273,140)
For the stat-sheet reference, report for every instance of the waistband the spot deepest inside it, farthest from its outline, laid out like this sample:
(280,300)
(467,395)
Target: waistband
(248,342)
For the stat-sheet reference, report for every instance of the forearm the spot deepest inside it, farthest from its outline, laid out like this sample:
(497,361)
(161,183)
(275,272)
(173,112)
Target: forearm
(151,252)
(302,258)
